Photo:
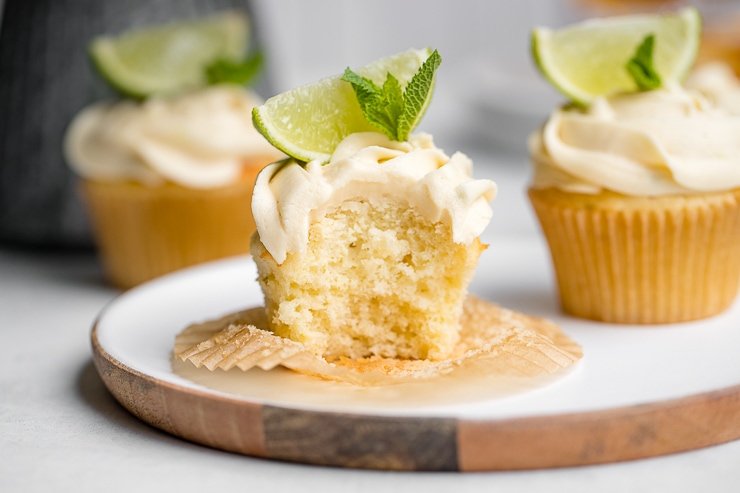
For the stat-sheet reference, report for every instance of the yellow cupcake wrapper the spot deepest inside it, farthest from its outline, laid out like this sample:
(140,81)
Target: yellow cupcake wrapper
(494,342)
(143,233)
(642,260)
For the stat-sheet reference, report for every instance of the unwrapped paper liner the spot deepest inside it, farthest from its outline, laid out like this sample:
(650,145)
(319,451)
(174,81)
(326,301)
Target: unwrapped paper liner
(493,340)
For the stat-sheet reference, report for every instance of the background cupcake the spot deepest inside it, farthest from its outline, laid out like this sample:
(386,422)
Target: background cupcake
(636,187)
(167,180)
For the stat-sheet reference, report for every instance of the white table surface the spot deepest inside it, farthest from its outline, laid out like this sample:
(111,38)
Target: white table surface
(60,430)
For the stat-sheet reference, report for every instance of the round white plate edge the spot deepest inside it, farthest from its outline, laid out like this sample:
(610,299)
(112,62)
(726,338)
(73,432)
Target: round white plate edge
(692,362)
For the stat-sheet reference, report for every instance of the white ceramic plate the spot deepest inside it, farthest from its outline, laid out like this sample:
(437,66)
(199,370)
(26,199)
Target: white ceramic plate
(622,365)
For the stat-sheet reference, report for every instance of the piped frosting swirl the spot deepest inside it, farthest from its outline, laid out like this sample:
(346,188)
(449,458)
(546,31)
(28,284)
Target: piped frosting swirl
(288,196)
(667,141)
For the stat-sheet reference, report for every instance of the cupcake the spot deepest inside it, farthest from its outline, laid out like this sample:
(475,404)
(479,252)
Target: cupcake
(167,182)
(638,196)
(167,170)
(371,254)
(368,252)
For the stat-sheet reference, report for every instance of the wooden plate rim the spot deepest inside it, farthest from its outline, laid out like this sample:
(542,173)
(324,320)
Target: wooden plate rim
(347,439)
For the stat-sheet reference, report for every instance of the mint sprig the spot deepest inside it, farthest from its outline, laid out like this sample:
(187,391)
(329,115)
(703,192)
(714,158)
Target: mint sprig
(241,73)
(641,68)
(393,110)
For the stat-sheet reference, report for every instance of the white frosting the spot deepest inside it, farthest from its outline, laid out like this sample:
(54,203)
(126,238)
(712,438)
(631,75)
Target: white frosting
(200,139)
(667,141)
(718,82)
(289,197)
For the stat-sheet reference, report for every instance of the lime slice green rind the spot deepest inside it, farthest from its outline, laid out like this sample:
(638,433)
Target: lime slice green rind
(588,60)
(308,134)
(171,57)
(307,123)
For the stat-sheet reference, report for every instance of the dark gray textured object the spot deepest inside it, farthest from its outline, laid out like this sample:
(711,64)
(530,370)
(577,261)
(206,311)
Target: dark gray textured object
(45,79)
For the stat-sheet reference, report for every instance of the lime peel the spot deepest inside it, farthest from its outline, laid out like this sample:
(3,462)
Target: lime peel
(587,60)
(393,110)
(170,57)
(308,122)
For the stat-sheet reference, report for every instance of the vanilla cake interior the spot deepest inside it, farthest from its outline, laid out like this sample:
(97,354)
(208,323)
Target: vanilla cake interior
(376,279)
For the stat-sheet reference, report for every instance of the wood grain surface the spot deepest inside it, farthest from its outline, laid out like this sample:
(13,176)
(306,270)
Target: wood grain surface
(611,435)
(423,443)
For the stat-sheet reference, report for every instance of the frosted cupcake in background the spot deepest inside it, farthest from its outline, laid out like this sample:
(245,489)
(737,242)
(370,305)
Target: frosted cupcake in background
(168,180)
(637,187)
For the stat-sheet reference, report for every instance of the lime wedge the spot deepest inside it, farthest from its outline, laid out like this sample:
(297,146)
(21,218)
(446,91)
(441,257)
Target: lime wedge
(588,59)
(169,57)
(309,122)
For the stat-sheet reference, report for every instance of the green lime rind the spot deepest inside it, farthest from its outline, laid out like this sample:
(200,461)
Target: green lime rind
(588,60)
(307,123)
(171,57)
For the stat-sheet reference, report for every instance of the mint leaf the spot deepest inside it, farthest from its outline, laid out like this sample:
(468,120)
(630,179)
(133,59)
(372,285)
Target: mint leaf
(640,66)
(395,111)
(375,102)
(227,71)
(416,94)
(393,103)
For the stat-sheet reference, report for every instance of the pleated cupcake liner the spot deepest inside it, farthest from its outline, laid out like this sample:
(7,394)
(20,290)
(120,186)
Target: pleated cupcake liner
(642,261)
(494,342)
(143,233)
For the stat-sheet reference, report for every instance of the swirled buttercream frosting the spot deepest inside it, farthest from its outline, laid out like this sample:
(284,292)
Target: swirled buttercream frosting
(667,141)
(718,82)
(201,139)
(289,196)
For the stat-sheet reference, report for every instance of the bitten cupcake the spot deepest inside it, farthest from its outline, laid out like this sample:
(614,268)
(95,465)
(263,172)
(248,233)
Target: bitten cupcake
(368,252)
(638,195)
(371,254)
(367,238)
